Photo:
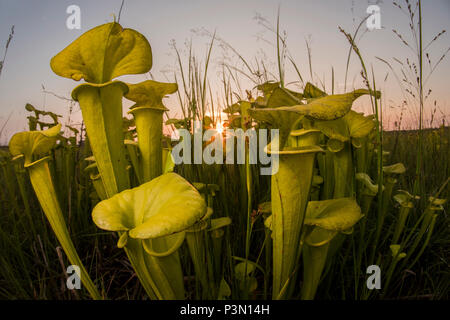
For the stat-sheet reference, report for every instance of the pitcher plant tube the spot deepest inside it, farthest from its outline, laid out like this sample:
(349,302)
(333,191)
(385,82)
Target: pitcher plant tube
(291,184)
(165,208)
(405,201)
(31,145)
(98,56)
(290,194)
(148,115)
(324,220)
(342,134)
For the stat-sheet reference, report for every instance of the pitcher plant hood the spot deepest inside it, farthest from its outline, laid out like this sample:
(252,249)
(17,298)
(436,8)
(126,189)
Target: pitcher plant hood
(150,94)
(166,205)
(104,53)
(33,143)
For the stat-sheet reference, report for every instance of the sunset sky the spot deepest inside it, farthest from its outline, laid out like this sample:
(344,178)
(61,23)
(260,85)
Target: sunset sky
(40,32)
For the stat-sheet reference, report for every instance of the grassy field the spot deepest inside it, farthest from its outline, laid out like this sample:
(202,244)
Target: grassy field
(348,195)
(32,264)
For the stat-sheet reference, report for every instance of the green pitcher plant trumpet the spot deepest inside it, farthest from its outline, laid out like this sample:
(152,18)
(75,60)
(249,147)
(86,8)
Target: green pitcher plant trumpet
(290,194)
(405,202)
(148,114)
(324,220)
(324,108)
(160,209)
(342,133)
(98,56)
(95,177)
(291,184)
(390,173)
(32,145)
(101,106)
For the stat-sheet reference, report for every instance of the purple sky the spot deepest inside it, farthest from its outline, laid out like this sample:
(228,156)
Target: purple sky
(40,33)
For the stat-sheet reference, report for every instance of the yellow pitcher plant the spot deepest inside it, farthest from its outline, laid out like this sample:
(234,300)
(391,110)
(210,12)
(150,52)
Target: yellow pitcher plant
(33,147)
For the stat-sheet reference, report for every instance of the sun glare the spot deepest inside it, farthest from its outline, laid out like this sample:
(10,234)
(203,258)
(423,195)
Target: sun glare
(219,127)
